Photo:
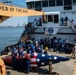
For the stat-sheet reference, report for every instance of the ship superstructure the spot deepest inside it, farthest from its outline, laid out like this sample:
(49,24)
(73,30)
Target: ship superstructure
(60,18)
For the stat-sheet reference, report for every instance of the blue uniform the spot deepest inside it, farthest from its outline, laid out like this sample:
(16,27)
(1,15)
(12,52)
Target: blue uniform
(21,54)
(27,68)
(14,58)
(32,48)
(38,50)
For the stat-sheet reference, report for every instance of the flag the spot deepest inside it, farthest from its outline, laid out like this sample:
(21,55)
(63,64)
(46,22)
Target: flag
(33,60)
(43,59)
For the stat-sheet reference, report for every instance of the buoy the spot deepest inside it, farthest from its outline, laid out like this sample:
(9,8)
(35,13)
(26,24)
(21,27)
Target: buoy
(2,67)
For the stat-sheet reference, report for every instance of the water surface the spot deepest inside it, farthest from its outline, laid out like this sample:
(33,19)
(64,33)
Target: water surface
(9,36)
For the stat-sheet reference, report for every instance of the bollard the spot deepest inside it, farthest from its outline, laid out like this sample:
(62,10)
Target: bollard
(50,66)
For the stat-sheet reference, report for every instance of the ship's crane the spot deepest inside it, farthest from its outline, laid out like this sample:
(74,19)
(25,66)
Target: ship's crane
(7,11)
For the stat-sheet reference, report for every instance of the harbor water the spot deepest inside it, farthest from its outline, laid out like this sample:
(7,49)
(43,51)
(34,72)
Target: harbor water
(9,36)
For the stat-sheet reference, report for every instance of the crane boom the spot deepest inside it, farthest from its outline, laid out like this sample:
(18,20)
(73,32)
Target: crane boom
(14,11)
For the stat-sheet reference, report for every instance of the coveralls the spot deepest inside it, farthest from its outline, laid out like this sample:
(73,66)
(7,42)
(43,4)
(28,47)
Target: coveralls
(14,60)
(38,50)
(28,61)
(21,54)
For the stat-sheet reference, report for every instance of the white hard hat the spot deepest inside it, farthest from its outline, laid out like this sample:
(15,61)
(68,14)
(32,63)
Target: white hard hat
(36,42)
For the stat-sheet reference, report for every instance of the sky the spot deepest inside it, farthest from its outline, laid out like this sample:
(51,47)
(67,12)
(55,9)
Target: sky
(20,2)
(15,20)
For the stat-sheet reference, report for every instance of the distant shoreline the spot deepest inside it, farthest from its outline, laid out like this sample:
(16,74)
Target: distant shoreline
(10,26)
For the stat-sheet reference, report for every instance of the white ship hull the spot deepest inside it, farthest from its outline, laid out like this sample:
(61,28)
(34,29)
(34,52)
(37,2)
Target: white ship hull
(57,11)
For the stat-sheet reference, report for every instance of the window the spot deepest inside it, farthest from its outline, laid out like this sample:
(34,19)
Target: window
(44,3)
(67,7)
(30,5)
(38,5)
(59,2)
(56,19)
(67,4)
(51,2)
(50,18)
(74,2)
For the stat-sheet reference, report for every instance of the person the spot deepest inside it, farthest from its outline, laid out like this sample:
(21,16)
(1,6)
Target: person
(40,21)
(66,20)
(28,60)
(35,22)
(42,43)
(21,54)
(37,48)
(26,29)
(14,60)
(62,21)
(54,45)
(45,51)
(32,48)
(75,39)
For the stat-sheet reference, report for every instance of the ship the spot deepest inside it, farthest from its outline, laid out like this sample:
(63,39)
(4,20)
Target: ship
(60,18)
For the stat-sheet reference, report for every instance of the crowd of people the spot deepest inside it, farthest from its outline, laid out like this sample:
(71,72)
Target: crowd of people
(65,21)
(57,44)
(28,28)
(33,46)
(21,55)
(35,23)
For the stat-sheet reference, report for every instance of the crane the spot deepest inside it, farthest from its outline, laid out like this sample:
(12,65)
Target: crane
(7,11)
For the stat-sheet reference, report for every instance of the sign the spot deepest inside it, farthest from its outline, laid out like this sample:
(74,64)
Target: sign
(50,30)
(9,10)
(12,9)
(47,30)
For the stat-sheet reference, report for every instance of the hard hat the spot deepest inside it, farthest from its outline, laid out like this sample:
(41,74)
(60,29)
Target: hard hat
(46,48)
(36,42)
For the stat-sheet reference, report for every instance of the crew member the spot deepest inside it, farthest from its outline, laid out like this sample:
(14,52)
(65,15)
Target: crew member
(37,48)
(14,54)
(21,54)
(27,59)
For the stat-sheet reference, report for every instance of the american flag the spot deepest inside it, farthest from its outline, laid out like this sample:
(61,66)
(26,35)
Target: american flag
(33,60)
(40,59)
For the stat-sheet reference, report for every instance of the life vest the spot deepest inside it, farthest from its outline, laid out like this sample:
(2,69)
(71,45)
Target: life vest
(2,67)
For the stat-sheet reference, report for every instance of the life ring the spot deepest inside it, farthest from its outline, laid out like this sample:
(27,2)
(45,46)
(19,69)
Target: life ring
(2,67)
